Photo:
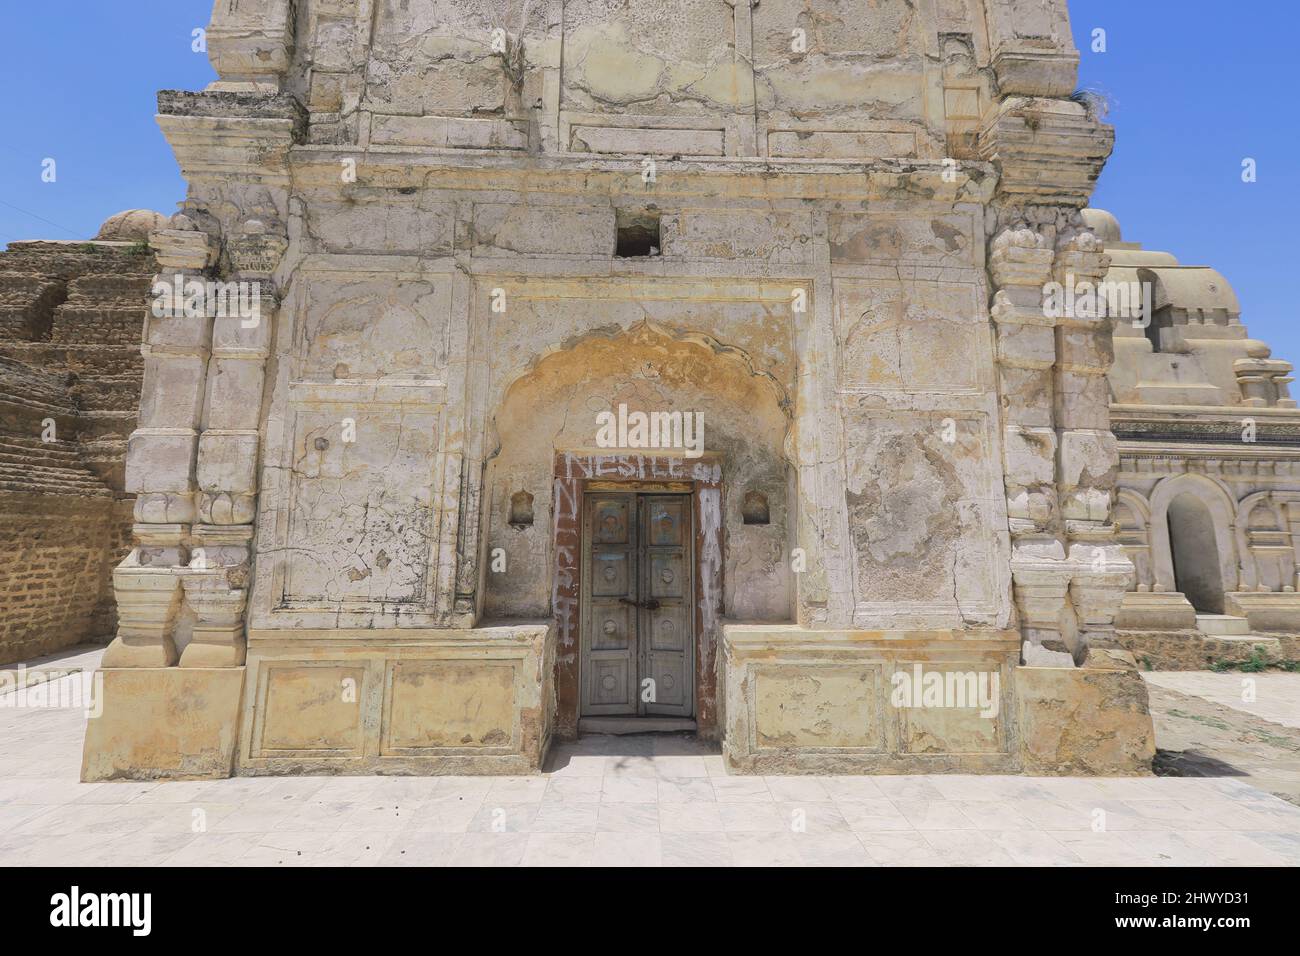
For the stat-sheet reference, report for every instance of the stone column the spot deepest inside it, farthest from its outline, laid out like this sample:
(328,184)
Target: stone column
(1060,454)
(1282,386)
(1253,379)
(216,581)
(1020,263)
(1089,454)
(160,460)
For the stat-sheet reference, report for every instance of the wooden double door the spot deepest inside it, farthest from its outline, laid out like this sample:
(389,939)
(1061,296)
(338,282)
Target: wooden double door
(638,605)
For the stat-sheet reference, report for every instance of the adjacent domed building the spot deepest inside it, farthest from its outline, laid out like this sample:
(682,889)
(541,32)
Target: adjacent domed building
(1209,486)
(133,225)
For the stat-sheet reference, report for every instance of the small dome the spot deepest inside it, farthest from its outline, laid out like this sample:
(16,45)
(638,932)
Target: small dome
(1103,224)
(134,225)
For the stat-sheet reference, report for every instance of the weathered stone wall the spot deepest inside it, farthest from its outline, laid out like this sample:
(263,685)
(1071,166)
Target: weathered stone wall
(70,377)
(56,573)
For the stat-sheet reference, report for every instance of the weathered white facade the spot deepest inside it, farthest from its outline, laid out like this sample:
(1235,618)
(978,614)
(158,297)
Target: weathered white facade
(380,527)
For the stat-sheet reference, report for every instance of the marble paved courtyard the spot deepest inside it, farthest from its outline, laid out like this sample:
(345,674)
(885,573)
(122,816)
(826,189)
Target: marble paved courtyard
(654,801)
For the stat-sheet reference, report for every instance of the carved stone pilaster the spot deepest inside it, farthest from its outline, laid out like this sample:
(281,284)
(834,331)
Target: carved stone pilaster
(1089,452)
(148,591)
(1033,52)
(250,44)
(161,452)
(216,591)
(1040,583)
(1061,458)
(1020,264)
(216,582)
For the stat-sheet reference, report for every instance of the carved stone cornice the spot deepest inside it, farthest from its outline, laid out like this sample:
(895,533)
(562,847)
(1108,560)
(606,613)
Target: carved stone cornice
(223,137)
(1048,151)
(1227,433)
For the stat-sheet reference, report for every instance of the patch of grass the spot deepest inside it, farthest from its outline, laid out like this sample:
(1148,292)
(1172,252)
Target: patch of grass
(1258,662)
(1273,740)
(1208,721)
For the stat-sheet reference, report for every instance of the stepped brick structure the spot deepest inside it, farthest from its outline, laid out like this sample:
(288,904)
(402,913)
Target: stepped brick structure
(71,315)
(681,365)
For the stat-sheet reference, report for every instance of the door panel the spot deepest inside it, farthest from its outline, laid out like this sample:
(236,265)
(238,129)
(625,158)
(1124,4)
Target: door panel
(666,622)
(668,519)
(638,610)
(669,577)
(670,629)
(611,574)
(614,628)
(608,667)
(611,686)
(610,519)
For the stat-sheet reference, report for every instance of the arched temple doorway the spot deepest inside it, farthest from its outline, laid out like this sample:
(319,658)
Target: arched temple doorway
(630,590)
(1195,553)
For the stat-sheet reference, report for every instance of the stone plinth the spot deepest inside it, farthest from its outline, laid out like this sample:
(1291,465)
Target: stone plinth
(1266,610)
(1158,610)
(803,701)
(449,701)
(163,723)
(1085,720)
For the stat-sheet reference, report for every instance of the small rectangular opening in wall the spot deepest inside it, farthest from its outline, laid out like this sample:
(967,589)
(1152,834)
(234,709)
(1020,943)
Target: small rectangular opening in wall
(638,233)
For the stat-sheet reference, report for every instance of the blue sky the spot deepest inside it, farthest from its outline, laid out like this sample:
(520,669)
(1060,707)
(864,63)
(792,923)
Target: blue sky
(1196,86)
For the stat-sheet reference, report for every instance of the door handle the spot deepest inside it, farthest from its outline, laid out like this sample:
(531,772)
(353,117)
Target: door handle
(648,605)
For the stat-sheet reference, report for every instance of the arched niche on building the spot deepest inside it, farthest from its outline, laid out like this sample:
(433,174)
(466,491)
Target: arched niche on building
(1133,518)
(1193,550)
(1193,523)
(1264,542)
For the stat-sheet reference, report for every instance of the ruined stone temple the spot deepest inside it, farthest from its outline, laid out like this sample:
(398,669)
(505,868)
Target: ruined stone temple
(672,365)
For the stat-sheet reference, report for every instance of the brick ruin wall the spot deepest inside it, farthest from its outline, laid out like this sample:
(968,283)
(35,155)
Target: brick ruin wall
(70,325)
